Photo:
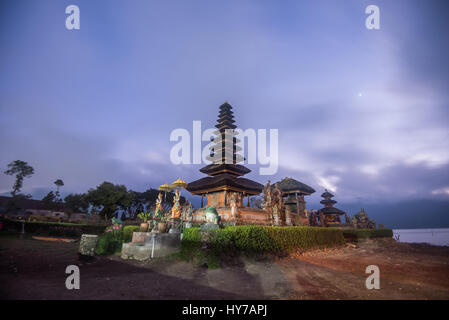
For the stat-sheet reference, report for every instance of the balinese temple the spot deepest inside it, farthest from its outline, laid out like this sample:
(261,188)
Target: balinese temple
(331,214)
(224,187)
(293,193)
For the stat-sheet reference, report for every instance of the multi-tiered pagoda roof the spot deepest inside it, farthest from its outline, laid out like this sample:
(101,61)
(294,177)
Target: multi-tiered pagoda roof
(224,173)
(328,203)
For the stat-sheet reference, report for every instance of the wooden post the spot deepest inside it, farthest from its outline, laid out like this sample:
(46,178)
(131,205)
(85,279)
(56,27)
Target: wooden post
(297,205)
(248,201)
(225,196)
(202,196)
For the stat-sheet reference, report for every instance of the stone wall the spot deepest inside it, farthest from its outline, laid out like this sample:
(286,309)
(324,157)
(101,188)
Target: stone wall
(245,215)
(147,245)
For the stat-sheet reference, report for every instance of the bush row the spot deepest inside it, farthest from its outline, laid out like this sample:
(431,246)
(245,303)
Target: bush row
(128,232)
(356,234)
(53,228)
(111,242)
(212,245)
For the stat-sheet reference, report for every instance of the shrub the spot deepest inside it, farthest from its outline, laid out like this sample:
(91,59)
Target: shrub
(254,240)
(191,244)
(357,234)
(128,232)
(64,231)
(45,227)
(294,238)
(109,243)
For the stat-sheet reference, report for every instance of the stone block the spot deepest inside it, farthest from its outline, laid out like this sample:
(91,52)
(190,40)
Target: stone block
(88,243)
(137,251)
(156,244)
(140,236)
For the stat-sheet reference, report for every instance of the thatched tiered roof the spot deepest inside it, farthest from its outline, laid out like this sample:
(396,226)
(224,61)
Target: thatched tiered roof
(225,172)
(290,185)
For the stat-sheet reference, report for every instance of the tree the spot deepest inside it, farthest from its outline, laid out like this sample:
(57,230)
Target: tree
(49,200)
(76,203)
(58,201)
(137,205)
(256,202)
(59,183)
(109,198)
(22,170)
(146,201)
(14,204)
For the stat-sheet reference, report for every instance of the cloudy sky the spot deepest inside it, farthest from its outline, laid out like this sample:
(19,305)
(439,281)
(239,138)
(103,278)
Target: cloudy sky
(362,112)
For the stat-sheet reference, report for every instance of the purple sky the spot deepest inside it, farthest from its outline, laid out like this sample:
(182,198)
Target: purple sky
(362,112)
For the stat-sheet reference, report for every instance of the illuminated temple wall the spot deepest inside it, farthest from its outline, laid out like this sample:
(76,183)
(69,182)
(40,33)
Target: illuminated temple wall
(246,215)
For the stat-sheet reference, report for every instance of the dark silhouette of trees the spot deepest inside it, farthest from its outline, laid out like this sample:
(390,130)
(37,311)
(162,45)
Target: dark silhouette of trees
(59,183)
(109,198)
(49,200)
(22,170)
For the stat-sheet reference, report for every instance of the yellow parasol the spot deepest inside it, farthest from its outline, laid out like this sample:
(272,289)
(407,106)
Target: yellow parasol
(165,187)
(179,184)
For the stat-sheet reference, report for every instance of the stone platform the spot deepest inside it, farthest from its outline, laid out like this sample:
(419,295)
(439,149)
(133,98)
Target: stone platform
(245,215)
(147,245)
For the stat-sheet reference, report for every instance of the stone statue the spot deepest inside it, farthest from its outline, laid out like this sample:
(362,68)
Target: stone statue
(361,221)
(322,219)
(158,210)
(176,209)
(234,200)
(312,218)
(188,212)
(212,219)
(354,222)
(347,220)
(266,199)
(277,204)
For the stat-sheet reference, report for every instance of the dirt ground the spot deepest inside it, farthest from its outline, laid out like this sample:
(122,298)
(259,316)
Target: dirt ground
(33,269)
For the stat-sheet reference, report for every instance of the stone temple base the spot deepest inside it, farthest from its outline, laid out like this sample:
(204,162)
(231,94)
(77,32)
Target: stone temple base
(246,215)
(147,245)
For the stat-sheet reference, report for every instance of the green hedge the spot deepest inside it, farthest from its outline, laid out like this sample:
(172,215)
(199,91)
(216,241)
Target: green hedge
(109,243)
(53,228)
(128,232)
(254,239)
(357,234)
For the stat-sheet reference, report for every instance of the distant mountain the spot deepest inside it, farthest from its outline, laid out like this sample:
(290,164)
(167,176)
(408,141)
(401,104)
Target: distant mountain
(405,214)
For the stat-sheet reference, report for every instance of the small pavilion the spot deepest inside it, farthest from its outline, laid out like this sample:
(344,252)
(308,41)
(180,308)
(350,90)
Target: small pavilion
(293,193)
(329,212)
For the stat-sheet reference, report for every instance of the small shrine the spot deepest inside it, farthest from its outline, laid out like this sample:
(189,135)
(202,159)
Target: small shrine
(329,215)
(293,193)
(224,188)
(361,221)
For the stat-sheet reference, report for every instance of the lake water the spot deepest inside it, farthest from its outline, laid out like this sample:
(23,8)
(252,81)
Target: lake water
(439,237)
